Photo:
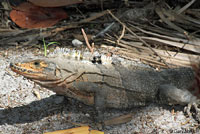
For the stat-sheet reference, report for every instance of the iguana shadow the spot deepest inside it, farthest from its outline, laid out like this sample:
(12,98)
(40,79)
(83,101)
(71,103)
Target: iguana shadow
(52,105)
(37,110)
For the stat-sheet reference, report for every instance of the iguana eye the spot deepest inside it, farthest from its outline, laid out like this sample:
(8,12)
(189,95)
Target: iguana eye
(36,63)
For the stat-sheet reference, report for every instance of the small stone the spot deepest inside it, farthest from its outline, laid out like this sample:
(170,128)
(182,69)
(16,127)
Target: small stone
(77,43)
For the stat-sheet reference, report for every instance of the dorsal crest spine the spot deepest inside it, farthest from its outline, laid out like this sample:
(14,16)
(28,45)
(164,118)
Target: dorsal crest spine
(79,55)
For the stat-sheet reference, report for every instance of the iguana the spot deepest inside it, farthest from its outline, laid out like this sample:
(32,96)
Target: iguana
(108,82)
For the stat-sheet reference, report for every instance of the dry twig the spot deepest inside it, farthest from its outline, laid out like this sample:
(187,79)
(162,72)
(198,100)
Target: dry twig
(122,35)
(136,36)
(185,7)
(160,11)
(87,42)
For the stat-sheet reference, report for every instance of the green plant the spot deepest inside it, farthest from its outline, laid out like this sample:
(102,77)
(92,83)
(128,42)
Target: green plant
(46,46)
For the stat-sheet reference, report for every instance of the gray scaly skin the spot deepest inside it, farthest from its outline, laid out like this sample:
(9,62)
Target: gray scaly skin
(110,85)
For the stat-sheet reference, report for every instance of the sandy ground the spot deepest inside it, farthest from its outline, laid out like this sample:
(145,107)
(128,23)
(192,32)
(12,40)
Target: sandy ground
(23,112)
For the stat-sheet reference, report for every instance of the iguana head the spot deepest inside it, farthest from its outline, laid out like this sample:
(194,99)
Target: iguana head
(50,74)
(37,70)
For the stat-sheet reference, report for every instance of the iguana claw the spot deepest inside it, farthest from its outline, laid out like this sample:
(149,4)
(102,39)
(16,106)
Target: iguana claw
(194,105)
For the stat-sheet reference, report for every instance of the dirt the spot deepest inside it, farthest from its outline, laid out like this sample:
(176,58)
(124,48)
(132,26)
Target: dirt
(26,108)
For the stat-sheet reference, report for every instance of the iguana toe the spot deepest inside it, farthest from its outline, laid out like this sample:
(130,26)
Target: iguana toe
(193,105)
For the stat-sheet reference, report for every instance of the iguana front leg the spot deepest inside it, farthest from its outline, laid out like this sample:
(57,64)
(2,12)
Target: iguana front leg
(99,96)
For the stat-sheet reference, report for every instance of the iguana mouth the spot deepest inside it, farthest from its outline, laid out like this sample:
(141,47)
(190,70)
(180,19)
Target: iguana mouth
(36,70)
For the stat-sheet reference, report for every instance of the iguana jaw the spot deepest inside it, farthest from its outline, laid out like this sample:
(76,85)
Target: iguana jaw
(37,70)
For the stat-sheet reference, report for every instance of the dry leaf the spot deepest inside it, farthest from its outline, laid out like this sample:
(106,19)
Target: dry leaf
(96,132)
(27,15)
(54,3)
(78,130)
